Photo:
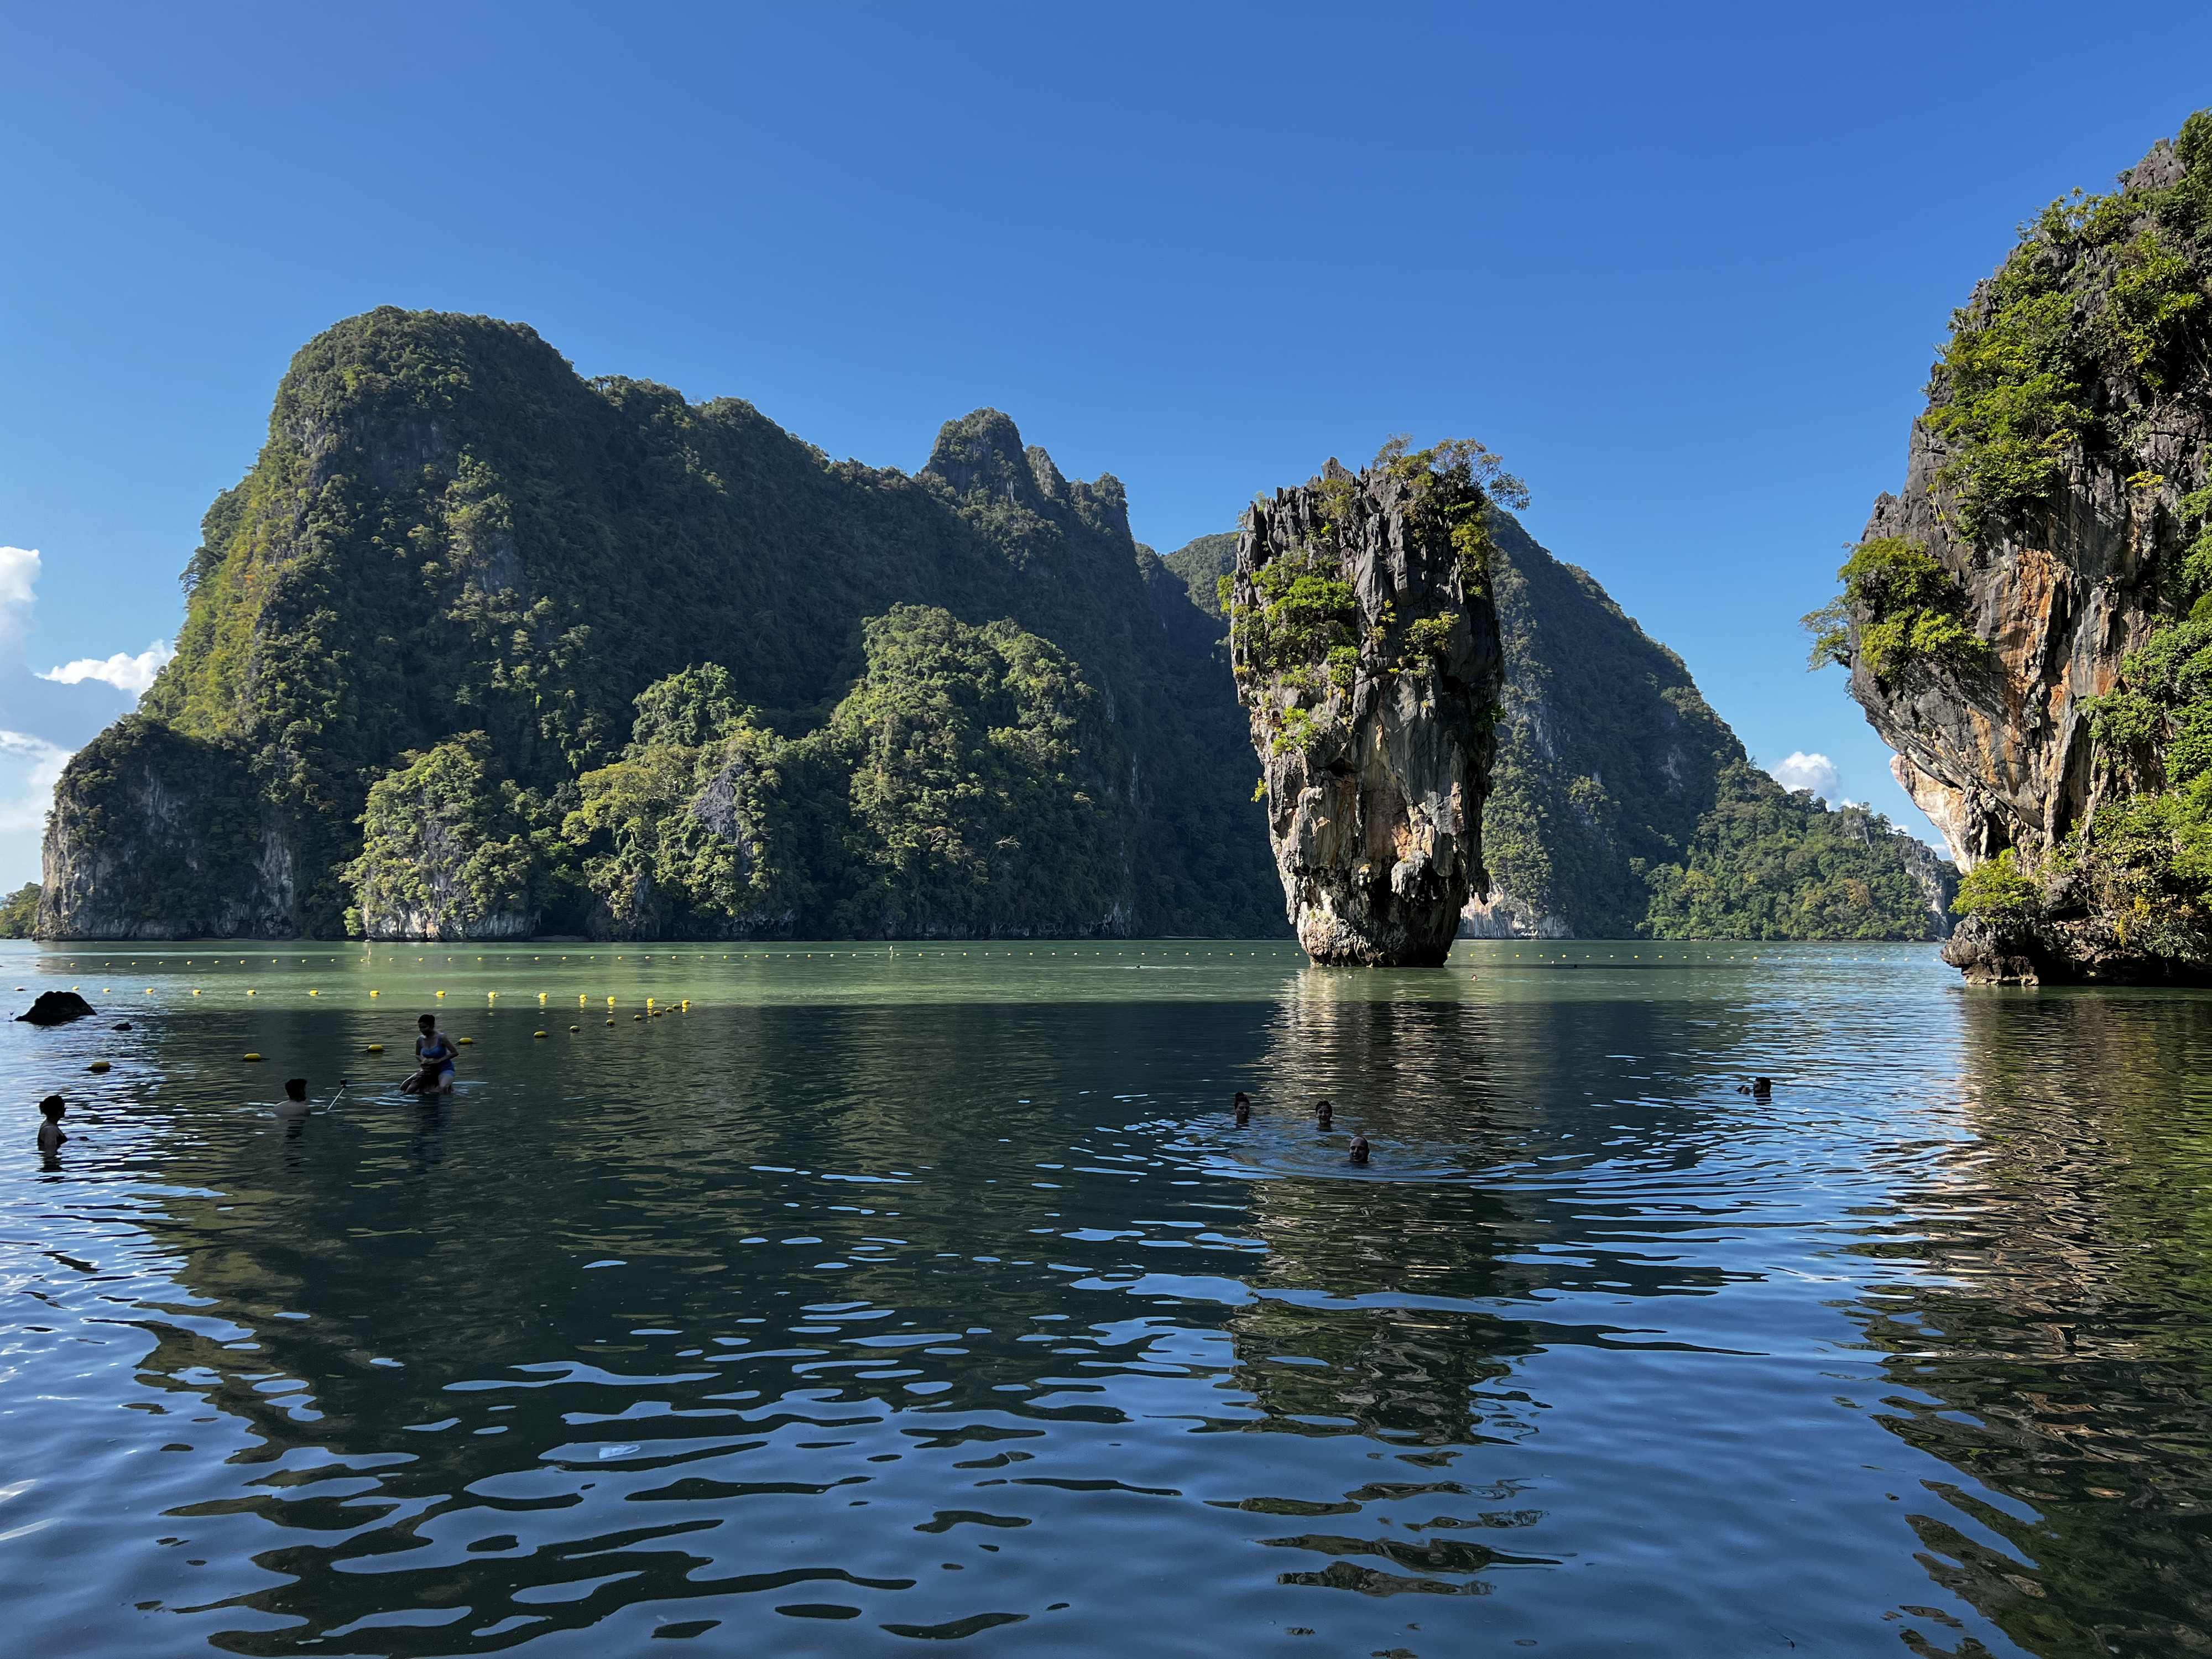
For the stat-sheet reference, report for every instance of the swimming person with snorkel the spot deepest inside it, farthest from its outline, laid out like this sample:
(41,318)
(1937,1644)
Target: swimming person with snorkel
(436,1054)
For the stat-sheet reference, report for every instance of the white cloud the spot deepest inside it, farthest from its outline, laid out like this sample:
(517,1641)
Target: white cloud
(27,812)
(124,673)
(19,578)
(1802,771)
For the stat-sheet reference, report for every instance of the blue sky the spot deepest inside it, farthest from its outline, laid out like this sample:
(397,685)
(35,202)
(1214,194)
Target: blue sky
(1684,266)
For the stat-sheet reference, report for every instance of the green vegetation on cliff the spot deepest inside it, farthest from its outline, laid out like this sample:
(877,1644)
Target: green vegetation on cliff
(1907,607)
(2096,313)
(451,540)
(2084,360)
(964,786)
(447,849)
(1623,807)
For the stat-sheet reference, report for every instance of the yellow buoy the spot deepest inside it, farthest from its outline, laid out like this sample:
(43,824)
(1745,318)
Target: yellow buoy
(581,998)
(251,993)
(537,1034)
(195,993)
(376,1047)
(315,994)
(253,1056)
(441,995)
(372,994)
(468,1040)
(575,1028)
(541,998)
(97,1065)
(610,1022)
(637,1016)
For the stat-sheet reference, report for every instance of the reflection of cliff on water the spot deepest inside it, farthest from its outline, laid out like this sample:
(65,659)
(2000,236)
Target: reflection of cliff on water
(2056,1347)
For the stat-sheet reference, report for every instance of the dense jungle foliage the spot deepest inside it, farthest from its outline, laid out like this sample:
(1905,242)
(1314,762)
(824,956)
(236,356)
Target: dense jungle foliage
(2096,316)
(1623,805)
(19,912)
(964,786)
(458,564)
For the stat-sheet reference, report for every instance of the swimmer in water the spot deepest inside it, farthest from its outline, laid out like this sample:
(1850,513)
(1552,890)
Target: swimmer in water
(1243,1109)
(50,1127)
(294,1103)
(1324,1115)
(435,1052)
(1359,1149)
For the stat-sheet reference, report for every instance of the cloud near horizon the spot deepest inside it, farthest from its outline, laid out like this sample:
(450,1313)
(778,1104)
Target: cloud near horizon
(123,672)
(1802,771)
(27,812)
(47,717)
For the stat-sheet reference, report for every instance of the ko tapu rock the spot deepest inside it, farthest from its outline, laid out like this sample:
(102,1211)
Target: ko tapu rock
(1365,651)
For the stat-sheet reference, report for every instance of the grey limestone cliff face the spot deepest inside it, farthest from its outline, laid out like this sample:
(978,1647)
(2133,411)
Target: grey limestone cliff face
(1366,653)
(158,835)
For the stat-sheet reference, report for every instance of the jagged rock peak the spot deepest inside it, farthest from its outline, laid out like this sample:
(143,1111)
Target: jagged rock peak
(983,453)
(1366,653)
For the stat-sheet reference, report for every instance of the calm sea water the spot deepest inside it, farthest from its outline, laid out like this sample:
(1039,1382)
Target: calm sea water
(935,1297)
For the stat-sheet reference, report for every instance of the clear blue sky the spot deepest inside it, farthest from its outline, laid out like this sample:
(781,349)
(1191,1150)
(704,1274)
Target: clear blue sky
(1684,266)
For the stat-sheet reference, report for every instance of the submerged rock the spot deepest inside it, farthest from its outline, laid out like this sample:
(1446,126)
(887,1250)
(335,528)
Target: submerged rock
(1366,653)
(55,1008)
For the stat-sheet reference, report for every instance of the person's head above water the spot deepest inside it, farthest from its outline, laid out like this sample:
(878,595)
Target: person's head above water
(1242,1099)
(1359,1149)
(1243,1107)
(296,1088)
(429,1023)
(53,1106)
(1323,1110)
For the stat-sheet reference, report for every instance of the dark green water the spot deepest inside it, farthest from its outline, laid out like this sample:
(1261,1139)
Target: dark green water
(872,1302)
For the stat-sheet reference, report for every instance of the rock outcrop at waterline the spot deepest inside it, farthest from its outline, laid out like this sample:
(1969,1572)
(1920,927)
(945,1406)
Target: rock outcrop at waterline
(1366,650)
(2025,623)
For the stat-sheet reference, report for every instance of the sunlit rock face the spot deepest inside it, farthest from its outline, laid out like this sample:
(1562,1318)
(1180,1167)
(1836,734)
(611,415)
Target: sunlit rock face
(2057,503)
(1366,653)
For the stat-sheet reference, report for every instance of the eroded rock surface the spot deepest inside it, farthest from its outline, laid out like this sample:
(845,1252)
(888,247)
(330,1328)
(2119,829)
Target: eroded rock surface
(1367,653)
(2058,562)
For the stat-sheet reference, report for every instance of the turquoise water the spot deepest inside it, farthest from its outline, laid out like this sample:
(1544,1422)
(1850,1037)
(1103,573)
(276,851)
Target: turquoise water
(878,1299)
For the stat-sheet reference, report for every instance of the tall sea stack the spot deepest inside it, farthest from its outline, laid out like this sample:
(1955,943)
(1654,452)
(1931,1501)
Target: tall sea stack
(1366,650)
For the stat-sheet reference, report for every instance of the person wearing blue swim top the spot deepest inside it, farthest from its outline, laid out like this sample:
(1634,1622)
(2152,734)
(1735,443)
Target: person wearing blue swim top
(435,1052)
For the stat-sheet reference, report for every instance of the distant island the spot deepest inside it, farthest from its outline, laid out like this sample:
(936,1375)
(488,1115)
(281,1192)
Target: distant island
(481,649)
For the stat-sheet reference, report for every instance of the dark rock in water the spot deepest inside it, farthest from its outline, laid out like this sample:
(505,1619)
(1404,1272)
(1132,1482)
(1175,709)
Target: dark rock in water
(123,1025)
(56,1008)
(1366,653)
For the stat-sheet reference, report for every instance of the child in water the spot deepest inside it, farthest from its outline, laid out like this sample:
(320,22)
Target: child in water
(435,1052)
(50,1128)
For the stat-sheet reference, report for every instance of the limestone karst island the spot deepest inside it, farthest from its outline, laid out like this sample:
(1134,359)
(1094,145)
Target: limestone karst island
(1108,834)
